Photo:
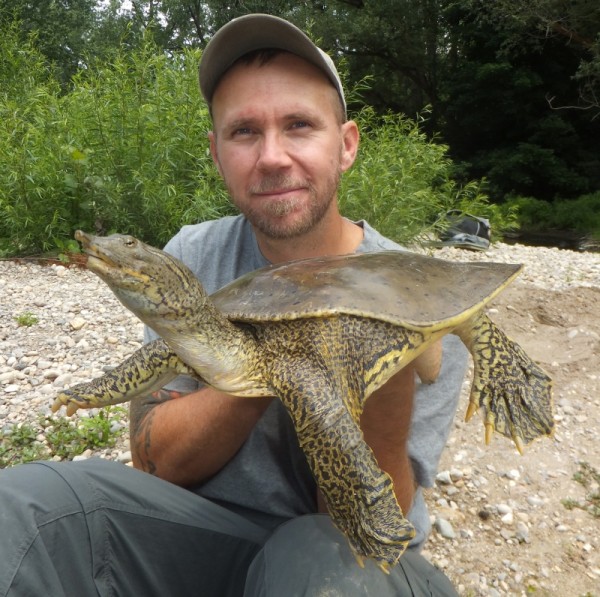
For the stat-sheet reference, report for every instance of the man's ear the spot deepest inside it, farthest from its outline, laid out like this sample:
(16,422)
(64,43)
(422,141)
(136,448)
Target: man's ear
(350,140)
(213,150)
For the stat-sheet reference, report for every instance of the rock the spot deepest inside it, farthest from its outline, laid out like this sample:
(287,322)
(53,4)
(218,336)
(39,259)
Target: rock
(51,374)
(513,474)
(456,474)
(77,323)
(124,457)
(84,456)
(444,528)
(63,380)
(444,478)
(506,534)
(535,500)
(503,509)
(522,533)
(8,376)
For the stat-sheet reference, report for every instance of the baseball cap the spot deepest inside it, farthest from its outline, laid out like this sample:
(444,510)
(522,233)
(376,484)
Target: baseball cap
(254,32)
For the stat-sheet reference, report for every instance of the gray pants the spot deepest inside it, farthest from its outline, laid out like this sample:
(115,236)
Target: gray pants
(101,528)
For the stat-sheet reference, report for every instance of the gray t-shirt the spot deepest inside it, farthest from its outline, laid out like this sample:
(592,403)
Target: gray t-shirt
(269,474)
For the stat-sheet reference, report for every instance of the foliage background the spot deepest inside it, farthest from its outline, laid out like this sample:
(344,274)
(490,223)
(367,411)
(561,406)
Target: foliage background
(102,126)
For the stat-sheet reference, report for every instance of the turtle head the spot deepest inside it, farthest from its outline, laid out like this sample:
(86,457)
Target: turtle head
(149,282)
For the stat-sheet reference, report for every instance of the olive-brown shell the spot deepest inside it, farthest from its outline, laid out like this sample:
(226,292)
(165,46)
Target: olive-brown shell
(400,287)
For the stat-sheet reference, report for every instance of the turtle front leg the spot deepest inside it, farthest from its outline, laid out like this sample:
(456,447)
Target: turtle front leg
(145,371)
(515,393)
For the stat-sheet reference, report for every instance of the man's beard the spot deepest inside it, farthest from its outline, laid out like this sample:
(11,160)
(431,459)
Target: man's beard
(268,217)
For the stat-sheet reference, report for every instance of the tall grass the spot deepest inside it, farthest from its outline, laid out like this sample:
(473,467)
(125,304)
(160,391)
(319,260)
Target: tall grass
(125,150)
(401,182)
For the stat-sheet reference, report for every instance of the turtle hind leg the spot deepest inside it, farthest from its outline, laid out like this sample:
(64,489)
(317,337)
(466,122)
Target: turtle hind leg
(359,495)
(514,392)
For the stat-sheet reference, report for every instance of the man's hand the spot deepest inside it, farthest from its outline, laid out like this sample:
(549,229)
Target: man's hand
(186,439)
(429,363)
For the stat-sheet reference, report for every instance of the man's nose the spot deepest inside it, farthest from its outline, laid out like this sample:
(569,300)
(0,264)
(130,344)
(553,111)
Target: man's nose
(273,152)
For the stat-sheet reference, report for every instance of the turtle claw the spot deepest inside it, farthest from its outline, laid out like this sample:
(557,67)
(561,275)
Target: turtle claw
(519,444)
(72,408)
(64,399)
(385,567)
(360,560)
(471,410)
(490,428)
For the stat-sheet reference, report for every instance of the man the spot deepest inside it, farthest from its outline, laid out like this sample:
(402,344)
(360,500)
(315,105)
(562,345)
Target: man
(247,522)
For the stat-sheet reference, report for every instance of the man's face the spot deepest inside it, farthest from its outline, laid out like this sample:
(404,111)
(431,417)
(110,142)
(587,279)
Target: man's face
(279,143)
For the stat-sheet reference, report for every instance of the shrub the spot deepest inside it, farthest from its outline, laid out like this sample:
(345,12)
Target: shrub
(401,182)
(29,168)
(125,150)
(580,215)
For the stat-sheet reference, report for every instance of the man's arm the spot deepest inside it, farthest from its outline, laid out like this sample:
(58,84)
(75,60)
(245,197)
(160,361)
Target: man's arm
(385,423)
(185,439)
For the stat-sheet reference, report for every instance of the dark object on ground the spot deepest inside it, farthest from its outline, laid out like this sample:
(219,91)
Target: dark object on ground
(466,231)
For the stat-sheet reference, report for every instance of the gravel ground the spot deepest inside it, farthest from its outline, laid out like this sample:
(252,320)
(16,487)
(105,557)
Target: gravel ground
(499,525)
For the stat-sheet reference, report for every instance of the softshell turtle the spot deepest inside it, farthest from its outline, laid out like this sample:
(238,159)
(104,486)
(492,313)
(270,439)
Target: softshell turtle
(321,335)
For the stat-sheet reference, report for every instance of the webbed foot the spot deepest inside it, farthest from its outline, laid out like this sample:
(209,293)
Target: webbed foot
(514,392)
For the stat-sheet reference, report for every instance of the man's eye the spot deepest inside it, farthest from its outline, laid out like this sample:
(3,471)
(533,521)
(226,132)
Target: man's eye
(242,131)
(301,124)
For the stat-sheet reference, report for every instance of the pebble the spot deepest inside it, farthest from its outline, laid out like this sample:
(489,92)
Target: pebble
(503,509)
(534,500)
(522,533)
(444,528)
(77,323)
(83,456)
(124,457)
(444,478)
(545,267)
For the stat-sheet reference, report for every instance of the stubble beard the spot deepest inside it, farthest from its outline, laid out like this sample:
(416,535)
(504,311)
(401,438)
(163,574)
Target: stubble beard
(270,217)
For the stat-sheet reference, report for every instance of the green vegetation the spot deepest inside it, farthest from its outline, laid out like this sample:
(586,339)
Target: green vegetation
(26,319)
(588,477)
(102,126)
(402,182)
(61,438)
(20,444)
(580,215)
(126,150)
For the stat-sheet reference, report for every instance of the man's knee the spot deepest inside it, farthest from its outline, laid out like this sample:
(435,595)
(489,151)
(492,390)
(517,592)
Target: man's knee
(309,556)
